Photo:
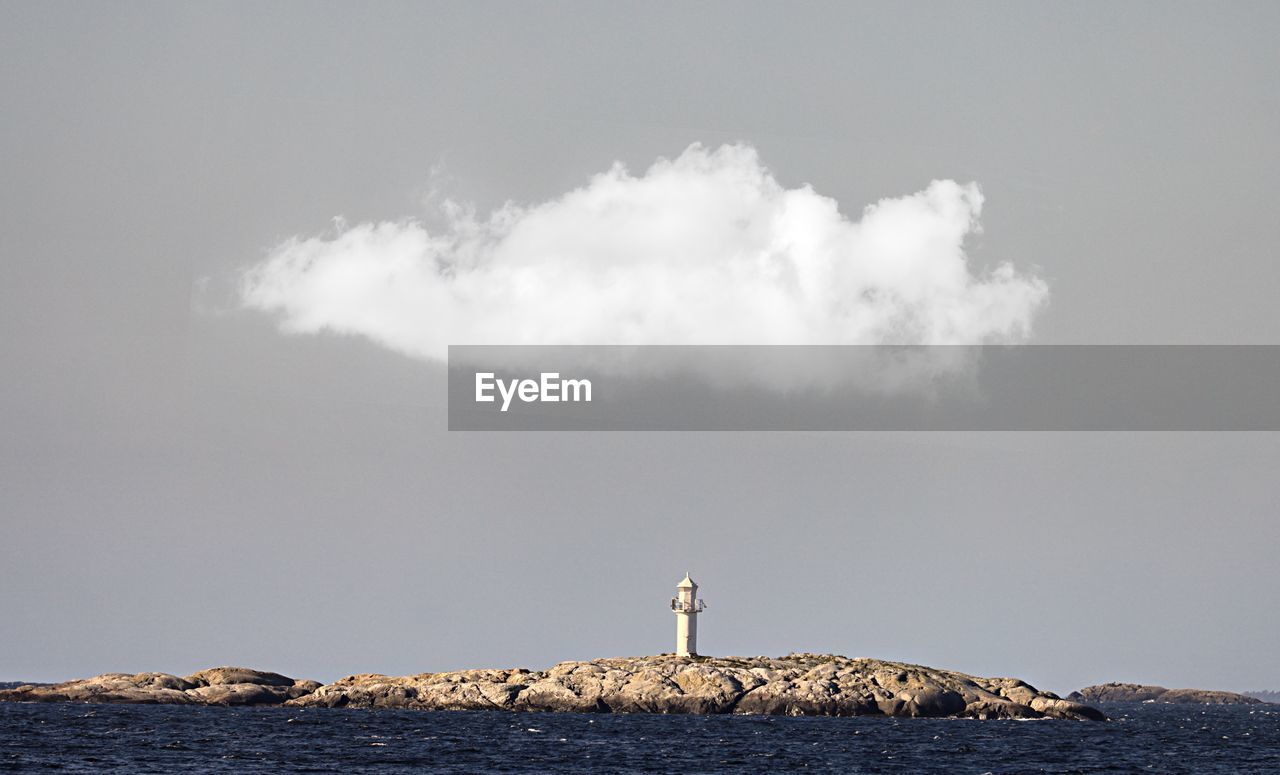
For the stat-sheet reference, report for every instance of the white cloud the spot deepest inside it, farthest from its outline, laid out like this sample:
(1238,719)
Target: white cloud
(707,248)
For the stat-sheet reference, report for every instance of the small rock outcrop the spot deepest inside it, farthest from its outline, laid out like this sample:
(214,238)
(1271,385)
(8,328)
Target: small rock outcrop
(215,686)
(795,685)
(1122,692)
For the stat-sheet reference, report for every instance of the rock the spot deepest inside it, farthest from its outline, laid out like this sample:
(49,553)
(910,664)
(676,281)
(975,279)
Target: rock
(935,702)
(1123,692)
(238,694)
(221,676)
(243,693)
(994,709)
(1056,708)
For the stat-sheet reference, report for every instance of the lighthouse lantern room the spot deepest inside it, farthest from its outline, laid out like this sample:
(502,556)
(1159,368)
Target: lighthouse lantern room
(687,606)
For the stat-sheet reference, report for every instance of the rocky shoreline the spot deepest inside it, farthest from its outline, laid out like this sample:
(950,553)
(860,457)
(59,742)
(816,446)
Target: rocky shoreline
(794,685)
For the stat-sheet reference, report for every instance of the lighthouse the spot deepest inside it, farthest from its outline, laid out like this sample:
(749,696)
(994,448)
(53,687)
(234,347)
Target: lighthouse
(687,606)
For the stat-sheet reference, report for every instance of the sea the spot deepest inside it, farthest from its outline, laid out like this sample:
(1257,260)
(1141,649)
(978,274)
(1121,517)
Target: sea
(159,738)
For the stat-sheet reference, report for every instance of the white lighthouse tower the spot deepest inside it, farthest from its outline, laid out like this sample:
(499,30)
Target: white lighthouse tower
(687,606)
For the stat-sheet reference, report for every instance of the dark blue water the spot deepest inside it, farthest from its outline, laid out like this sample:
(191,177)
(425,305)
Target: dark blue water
(1143,738)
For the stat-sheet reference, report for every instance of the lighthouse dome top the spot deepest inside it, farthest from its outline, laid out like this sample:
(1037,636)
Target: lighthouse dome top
(687,582)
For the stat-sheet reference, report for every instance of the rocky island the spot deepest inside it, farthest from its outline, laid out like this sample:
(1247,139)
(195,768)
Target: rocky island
(794,685)
(1122,692)
(215,686)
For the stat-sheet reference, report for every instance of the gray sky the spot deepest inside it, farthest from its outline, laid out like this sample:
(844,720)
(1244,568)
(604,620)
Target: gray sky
(183,486)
